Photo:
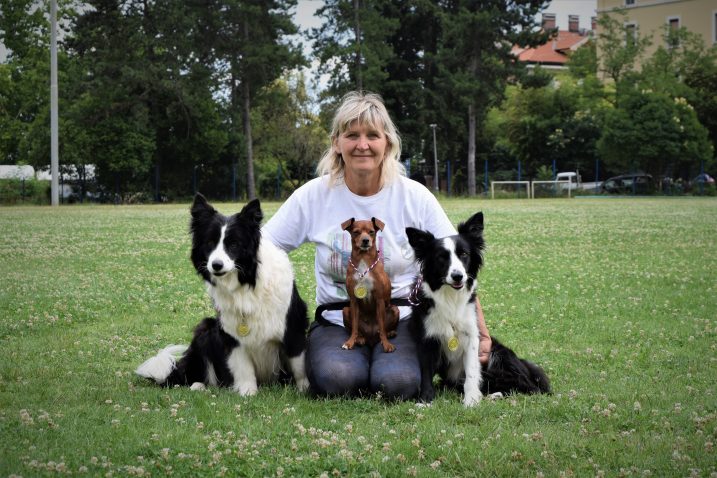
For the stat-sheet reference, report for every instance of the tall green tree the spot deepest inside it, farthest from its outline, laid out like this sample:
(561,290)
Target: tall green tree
(475,56)
(620,46)
(24,77)
(352,44)
(252,44)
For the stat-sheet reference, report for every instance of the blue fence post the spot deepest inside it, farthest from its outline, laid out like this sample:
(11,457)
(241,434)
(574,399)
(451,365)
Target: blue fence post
(554,173)
(597,173)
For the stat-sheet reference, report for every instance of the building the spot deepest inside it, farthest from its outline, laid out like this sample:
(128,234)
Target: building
(555,53)
(649,18)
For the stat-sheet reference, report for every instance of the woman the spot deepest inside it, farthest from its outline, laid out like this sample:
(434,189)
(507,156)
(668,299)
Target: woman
(360,176)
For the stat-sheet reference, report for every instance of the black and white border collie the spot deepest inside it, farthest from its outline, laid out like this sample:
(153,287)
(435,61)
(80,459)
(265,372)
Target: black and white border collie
(260,332)
(445,322)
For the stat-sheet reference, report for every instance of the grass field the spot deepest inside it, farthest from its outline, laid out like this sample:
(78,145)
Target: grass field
(616,298)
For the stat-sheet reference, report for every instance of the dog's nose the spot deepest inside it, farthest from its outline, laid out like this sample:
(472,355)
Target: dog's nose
(365,242)
(456,276)
(217,265)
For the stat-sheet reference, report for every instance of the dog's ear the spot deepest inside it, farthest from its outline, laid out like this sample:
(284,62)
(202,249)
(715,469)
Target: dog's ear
(377,223)
(252,212)
(201,209)
(473,226)
(347,224)
(419,240)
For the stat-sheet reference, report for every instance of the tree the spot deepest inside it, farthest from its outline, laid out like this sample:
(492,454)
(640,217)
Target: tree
(252,46)
(475,55)
(652,132)
(686,69)
(621,45)
(352,44)
(289,139)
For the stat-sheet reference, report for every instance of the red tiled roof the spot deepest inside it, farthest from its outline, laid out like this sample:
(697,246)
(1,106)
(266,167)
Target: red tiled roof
(555,51)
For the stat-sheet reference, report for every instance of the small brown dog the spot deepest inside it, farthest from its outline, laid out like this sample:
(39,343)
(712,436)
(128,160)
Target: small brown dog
(371,316)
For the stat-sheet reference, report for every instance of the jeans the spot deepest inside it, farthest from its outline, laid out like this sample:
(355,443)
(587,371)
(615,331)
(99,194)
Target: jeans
(364,369)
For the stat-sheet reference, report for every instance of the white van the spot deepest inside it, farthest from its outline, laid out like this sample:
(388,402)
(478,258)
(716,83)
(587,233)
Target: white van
(572,177)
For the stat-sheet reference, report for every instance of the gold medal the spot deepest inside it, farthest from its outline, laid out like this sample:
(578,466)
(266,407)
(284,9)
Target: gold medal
(453,344)
(243,330)
(360,291)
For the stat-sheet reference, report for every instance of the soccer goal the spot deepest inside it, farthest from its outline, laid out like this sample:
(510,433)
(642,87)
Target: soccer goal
(511,188)
(550,188)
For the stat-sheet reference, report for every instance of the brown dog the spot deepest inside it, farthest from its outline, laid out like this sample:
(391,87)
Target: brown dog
(371,316)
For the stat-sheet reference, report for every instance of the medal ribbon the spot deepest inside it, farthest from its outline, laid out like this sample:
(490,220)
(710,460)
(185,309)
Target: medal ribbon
(363,274)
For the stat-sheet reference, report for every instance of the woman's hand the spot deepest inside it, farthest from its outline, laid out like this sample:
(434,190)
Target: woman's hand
(484,349)
(485,342)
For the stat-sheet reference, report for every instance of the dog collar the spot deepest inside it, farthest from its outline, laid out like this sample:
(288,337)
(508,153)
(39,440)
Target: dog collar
(363,274)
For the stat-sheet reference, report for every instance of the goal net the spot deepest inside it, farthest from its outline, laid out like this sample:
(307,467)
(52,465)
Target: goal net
(550,189)
(510,189)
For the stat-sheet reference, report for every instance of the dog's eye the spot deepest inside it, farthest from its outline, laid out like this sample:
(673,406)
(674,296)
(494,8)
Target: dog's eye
(463,255)
(373,233)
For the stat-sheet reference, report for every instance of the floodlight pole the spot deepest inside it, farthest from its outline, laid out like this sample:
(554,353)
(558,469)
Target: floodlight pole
(54,149)
(435,158)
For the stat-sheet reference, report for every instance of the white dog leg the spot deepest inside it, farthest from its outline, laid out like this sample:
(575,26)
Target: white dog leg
(242,370)
(471,388)
(297,365)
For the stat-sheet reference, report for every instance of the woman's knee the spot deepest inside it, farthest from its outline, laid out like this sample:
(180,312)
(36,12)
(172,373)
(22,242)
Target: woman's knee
(337,378)
(400,381)
(332,370)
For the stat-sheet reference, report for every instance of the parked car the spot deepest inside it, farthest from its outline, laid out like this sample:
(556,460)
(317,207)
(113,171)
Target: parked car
(635,183)
(703,178)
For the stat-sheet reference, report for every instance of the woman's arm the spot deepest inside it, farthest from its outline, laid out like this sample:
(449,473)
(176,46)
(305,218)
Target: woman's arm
(485,341)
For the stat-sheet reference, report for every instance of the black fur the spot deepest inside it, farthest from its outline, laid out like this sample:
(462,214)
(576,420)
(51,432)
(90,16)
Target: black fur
(211,345)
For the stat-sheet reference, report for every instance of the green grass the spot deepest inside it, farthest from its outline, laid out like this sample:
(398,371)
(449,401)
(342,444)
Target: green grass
(616,298)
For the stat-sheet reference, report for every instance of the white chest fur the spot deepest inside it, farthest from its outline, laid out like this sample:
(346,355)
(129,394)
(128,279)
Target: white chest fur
(452,318)
(260,310)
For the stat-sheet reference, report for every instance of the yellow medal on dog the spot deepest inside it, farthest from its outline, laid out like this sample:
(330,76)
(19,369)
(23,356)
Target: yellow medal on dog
(243,330)
(360,291)
(453,344)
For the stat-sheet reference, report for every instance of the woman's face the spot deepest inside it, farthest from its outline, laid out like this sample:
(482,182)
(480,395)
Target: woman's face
(363,148)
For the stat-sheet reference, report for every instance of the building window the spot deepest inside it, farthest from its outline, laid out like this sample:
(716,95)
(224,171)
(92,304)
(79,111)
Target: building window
(714,26)
(672,38)
(548,21)
(630,34)
(629,3)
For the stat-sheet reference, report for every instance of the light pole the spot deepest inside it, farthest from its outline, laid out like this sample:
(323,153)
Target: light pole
(435,158)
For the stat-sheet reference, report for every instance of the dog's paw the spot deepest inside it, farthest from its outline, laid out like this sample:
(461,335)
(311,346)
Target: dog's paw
(495,396)
(423,405)
(348,345)
(388,347)
(472,399)
(302,384)
(246,389)
(427,395)
(198,387)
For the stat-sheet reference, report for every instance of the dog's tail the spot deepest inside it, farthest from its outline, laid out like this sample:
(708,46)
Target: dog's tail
(159,367)
(538,376)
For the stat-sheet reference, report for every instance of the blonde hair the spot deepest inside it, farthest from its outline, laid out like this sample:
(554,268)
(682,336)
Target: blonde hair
(368,109)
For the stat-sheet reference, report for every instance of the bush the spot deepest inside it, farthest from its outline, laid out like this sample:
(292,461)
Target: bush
(30,191)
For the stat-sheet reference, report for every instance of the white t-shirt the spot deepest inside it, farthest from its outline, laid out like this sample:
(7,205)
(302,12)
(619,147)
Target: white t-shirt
(315,212)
